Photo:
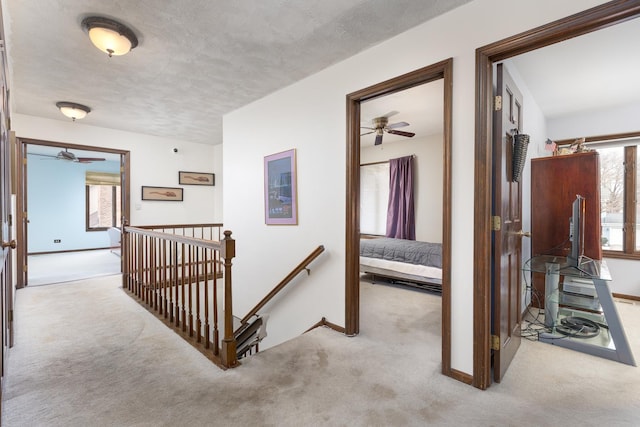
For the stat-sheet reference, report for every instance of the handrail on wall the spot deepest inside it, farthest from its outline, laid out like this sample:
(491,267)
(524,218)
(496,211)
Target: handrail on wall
(167,267)
(299,268)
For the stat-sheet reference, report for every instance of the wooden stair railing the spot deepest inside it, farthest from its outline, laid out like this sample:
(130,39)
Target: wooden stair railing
(252,327)
(173,271)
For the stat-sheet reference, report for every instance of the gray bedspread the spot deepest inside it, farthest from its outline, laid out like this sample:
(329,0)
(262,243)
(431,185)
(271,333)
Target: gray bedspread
(409,251)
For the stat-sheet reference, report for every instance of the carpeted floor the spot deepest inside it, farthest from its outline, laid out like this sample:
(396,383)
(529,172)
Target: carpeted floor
(87,355)
(64,267)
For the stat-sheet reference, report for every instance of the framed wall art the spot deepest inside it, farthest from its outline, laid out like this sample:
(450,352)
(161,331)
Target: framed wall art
(280,189)
(196,178)
(170,194)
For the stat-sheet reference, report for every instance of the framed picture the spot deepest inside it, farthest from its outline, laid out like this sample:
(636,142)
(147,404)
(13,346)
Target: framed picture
(196,178)
(170,194)
(280,190)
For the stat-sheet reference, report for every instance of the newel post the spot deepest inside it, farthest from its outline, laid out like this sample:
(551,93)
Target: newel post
(228,251)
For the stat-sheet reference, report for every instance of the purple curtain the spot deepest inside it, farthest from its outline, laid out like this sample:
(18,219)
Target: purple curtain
(401,222)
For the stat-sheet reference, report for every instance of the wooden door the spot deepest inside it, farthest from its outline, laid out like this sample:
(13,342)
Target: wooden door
(507,219)
(21,216)
(8,244)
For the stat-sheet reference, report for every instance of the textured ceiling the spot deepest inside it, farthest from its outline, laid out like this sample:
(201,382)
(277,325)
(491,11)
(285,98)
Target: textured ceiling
(196,60)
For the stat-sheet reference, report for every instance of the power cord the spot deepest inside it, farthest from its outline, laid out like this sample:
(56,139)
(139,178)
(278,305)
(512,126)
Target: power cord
(578,327)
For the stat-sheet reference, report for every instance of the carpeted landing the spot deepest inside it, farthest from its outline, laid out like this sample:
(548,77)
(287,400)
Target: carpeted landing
(86,354)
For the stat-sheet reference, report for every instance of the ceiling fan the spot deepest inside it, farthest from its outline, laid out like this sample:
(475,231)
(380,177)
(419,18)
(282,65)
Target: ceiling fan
(69,156)
(381,125)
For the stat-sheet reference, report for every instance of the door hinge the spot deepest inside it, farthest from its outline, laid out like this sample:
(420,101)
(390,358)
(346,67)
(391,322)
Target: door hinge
(497,103)
(10,315)
(495,342)
(496,223)
(10,220)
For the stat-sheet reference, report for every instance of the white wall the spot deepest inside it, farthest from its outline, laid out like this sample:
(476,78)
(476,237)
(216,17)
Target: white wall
(57,205)
(594,123)
(314,110)
(428,167)
(153,162)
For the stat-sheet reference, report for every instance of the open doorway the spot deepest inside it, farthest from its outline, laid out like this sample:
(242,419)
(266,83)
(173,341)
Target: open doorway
(72,170)
(577,25)
(440,71)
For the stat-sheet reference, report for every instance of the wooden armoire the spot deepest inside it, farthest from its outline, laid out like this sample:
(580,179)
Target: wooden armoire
(555,182)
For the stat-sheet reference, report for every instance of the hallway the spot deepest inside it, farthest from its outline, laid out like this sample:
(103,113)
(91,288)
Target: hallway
(87,354)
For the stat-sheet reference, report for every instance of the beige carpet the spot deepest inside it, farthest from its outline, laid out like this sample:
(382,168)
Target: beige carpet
(88,355)
(62,267)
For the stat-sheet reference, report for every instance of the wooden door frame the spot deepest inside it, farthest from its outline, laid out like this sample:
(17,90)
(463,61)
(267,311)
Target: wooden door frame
(125,190)
(441,70)
(579,24)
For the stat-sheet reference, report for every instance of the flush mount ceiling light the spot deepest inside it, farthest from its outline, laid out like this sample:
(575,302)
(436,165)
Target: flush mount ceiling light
(109,36)
(72,110)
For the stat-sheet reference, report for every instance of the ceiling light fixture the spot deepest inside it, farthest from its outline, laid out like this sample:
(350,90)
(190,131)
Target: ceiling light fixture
(109,36)
(72,110)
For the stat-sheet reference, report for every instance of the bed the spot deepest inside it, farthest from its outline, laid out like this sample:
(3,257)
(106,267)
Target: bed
(403,261)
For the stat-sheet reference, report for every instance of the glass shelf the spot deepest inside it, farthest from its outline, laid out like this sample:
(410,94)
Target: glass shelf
(579,301)
(588,268)
(610,341)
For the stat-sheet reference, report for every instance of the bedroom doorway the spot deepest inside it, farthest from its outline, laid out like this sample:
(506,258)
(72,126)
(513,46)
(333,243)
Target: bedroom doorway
(588,21)
(31,150)
(442,73)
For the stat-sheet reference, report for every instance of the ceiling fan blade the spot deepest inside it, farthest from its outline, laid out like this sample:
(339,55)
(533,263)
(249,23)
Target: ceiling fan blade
(43,155)
(367,133)
(397,125)
(389,114)
(378,139)
(90,159)
(401,133)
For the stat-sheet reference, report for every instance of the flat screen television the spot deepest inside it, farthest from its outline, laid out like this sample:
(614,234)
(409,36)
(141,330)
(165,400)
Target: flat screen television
(576,232)
(576,260)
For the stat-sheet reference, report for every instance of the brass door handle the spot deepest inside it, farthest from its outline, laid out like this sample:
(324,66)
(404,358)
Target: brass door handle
(523,233)
(11,244)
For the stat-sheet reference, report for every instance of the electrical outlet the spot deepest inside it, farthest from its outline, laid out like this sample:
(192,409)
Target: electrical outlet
(57,241)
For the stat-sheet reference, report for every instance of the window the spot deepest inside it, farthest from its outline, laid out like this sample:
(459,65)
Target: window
(619,195)
(103,200)
(374,198)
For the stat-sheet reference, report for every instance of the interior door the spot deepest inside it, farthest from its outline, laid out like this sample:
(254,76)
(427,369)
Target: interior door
(6,275)
(507,213)
(21,214)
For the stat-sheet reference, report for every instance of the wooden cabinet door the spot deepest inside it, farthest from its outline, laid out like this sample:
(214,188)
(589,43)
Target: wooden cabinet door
(555,182)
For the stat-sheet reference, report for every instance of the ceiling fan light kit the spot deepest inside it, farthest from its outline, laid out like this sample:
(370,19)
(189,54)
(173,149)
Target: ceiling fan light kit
(111,37)
(68,155)
(72,110)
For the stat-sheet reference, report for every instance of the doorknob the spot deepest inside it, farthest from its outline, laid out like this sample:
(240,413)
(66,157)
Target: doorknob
(11,244)
(523,233)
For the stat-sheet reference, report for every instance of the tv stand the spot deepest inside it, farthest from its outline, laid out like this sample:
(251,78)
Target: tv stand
(611,341)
